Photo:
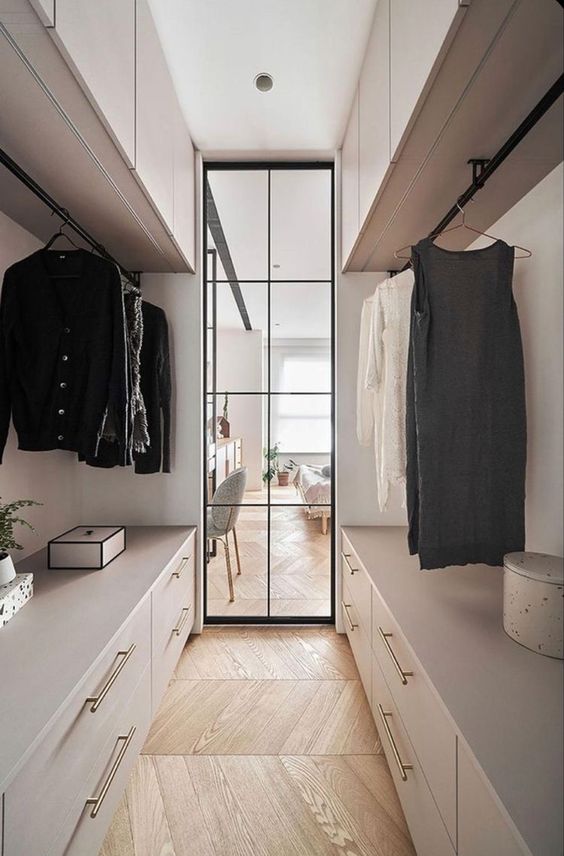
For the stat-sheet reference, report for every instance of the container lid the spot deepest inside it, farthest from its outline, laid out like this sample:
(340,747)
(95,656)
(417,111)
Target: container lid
(86,534)
(537,566)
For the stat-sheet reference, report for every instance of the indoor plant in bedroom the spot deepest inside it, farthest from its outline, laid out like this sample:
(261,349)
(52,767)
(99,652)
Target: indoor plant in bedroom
(272,468)
(7,541)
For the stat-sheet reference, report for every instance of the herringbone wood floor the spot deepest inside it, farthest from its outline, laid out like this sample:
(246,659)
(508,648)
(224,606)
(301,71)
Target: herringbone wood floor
(300,567)
(264,745)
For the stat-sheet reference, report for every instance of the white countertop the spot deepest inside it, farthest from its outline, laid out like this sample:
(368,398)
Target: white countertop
(48,647)
(506,701)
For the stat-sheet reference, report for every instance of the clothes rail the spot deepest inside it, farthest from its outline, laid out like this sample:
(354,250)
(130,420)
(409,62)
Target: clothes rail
(483,169)
(61,212)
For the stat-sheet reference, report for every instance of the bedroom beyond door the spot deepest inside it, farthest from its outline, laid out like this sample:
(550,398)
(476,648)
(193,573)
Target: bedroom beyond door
(269,375)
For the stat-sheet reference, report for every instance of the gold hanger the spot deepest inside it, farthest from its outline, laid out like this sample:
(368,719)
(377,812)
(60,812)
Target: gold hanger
(526,254)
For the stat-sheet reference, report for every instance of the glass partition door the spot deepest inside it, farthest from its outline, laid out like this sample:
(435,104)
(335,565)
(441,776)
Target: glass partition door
(269,411)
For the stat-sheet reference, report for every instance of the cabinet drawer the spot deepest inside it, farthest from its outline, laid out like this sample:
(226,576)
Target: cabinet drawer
(82,834)
(167,656)
(174,589)
(428,831)
(357,582)
(430,731)
(492,836)
(41,795)
(359,638)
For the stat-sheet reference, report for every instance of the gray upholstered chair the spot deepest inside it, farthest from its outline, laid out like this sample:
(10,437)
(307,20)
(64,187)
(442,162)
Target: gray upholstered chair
(223,515)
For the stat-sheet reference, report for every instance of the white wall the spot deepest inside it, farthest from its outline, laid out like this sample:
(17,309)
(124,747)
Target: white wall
(48,477)
(536,222)
(357,496)
(240,367)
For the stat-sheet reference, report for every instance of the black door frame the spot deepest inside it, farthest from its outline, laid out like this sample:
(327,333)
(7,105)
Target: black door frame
(211,166)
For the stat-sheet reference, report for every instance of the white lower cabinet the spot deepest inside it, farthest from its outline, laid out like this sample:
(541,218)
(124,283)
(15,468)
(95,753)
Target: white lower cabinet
(41,796)
(449,805)
(425,823)
(62,800)
(429,729)
(359,638)
(482,828)
(98,795)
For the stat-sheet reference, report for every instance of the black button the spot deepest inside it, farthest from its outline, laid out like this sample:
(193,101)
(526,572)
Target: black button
(61,412)
(60,437)
(64,358)
(67,330)
(63,385)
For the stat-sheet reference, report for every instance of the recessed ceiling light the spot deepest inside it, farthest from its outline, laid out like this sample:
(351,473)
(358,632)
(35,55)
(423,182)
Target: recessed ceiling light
(264,82)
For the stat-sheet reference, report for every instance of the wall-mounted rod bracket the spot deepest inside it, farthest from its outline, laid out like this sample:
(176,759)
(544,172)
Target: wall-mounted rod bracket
(478,167)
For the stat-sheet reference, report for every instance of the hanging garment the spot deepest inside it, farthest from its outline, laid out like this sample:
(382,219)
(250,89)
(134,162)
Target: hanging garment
(156,388)
(62,352)
(365,403)
(386,374)
(466,425)
(138,414)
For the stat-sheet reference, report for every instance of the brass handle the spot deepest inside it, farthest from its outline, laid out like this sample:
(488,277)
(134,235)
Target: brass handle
(346,607)
(403,674)
(96,802)
(397,757)
(346,557)
(178,572)
(98,699)
(183,620)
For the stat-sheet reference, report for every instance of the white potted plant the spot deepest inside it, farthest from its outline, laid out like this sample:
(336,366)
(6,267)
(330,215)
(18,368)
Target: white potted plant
(7,541)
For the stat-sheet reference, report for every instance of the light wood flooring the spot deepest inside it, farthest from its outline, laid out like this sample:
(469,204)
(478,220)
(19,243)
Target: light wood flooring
(300,569)
(264,745)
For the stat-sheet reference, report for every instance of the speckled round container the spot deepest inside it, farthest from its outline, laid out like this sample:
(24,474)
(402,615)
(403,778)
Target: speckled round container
(533,601)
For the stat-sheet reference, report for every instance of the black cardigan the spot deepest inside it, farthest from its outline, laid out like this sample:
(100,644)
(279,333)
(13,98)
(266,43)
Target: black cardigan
(62,352)
(156,390)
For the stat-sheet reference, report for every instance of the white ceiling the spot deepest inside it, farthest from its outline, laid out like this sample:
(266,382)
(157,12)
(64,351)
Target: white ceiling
(312,48)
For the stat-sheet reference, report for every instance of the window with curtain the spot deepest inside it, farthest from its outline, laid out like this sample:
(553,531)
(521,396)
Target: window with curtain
(302,423)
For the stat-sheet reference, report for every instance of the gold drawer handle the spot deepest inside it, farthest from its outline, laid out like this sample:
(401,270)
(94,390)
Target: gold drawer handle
(178,572)
(98,699)
(346,557)
(96,802)
(397,757)
(403,674)
(346,607)
(183,619)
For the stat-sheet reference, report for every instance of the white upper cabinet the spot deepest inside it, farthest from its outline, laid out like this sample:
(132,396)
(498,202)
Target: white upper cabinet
(349,185)
(155,117)
(420,35)
(184,230)
(46,11)
(374,110)
(98,41)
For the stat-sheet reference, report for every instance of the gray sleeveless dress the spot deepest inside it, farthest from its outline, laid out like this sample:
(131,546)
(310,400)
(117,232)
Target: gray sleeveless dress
(466,423)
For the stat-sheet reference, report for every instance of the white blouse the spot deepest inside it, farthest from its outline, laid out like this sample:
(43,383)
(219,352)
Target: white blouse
(382,374)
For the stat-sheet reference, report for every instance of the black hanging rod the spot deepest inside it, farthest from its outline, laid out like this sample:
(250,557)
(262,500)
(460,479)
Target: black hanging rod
(61,212)
(483,169)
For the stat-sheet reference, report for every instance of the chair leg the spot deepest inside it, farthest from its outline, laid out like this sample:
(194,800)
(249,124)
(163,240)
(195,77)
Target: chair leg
(237,551)
(229,575)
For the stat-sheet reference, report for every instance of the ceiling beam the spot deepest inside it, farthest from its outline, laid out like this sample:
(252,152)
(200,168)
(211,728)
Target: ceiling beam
(220,241)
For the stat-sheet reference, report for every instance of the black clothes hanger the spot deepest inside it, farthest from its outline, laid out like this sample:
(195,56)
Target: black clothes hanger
(61,234)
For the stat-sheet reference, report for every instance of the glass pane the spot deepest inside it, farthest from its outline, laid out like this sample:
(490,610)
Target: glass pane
(251,545)
(301,224)
(300,562)
(240,441)
(300,425)
(300,337)
(241,337)
(237,216)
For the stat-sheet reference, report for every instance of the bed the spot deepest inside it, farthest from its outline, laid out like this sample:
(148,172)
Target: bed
(313,484)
